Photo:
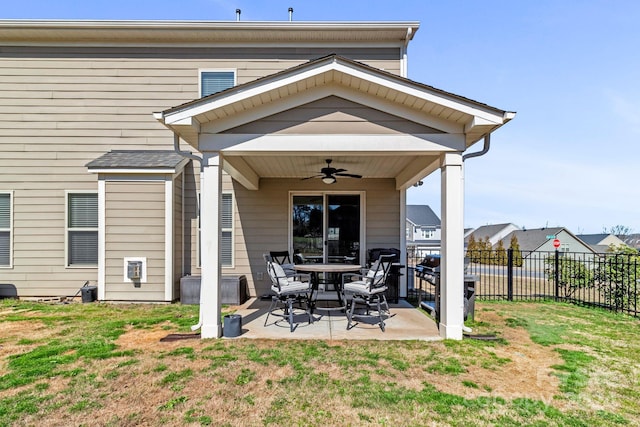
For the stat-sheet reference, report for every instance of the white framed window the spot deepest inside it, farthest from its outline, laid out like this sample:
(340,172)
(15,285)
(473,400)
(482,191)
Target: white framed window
(213,81)
(226,226)
(6,229)
(82,229)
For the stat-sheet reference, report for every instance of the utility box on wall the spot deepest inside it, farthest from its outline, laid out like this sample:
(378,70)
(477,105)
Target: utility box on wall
(233,290)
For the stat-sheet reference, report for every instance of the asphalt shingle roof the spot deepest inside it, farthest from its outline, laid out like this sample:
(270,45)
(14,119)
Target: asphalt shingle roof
(422,215)
(592,239)
(137,159)
(530,240)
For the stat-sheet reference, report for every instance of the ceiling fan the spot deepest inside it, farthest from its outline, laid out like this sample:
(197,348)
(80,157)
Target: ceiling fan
(329,174)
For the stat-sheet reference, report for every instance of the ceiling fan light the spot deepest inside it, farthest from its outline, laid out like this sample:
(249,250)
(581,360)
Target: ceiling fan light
(329,179)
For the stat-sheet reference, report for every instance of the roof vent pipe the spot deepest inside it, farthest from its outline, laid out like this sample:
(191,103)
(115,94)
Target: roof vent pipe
(238,12)
(485,149)
(290,14)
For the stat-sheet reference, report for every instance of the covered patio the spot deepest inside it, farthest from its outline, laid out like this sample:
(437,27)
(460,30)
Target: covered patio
(405,323)
(269,134)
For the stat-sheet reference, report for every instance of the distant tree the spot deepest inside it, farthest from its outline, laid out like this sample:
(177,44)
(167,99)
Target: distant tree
(472,250)
(573,274)
(517,253)
(619,231)
(486,252)
(618,276)
(500,257)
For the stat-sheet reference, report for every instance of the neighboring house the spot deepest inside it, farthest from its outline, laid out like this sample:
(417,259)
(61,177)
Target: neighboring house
(134,153)
(493,233)
(633,241)
(601,242)
(541,240)
(423,230)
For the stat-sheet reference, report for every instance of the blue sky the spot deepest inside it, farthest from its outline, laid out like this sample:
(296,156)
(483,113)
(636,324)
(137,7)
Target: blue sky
(570,69)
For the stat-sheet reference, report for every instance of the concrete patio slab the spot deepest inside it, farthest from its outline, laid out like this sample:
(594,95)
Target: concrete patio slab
(405,323)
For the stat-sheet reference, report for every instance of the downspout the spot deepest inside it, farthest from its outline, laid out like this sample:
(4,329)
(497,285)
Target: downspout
(404,71)
(485,149)
(188,155)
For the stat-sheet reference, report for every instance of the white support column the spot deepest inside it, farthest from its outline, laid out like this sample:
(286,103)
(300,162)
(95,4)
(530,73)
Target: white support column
(452,266)
(102,252)
(210,306)
(403,244)
(168,239)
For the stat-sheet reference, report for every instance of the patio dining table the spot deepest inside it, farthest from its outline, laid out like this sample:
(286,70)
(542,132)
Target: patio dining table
(316,269)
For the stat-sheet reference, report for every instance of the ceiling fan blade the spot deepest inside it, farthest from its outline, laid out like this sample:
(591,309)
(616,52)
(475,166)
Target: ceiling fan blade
(338,171)
(314,176)
(350,175)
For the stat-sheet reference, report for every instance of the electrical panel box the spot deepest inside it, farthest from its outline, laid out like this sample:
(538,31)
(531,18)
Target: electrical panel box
(134,270)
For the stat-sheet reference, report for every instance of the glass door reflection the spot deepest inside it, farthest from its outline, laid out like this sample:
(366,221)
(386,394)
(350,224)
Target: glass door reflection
(326,228)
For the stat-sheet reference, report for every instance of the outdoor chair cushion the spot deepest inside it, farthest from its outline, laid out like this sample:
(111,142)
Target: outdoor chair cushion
(361,287)
(277,274)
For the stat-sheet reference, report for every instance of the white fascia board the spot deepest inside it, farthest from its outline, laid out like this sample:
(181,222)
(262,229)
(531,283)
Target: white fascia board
(479,121)
(243,144)
(139,171)
(187,121)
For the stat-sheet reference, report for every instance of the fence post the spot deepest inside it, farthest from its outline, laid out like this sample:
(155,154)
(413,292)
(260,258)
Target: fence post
(556,276)
(509,274)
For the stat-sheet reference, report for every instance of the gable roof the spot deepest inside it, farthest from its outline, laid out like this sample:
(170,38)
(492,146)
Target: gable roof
(422,215)
(592,239)
(530,240)
(447,123)
(454,113)
(489,230)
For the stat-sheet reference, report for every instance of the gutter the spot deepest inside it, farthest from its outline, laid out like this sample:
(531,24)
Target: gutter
(485,149)
(186,154)
(507,117)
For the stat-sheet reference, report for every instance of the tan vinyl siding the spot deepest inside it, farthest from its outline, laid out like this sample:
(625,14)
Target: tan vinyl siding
(135,228)
(191,191)
(264,215)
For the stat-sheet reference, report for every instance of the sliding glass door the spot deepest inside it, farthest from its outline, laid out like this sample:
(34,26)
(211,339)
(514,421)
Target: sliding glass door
(327,227)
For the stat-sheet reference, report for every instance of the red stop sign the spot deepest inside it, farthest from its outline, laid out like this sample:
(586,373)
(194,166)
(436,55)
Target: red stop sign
(556,243)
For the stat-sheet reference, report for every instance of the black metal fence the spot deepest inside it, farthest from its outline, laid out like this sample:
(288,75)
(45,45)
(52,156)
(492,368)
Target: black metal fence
(610,281)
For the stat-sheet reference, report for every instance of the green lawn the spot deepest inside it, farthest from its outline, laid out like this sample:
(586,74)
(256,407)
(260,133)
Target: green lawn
(101,364)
